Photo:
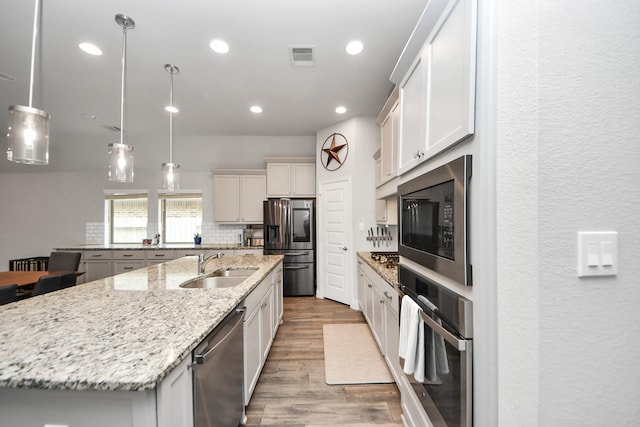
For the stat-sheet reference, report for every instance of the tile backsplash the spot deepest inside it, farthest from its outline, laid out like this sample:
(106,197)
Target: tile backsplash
(211,232)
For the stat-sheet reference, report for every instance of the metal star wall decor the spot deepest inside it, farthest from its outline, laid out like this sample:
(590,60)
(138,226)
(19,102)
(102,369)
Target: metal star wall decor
(330,153)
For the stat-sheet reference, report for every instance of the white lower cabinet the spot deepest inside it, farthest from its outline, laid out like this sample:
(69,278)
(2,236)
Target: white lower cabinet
(96,265)
(174,397)
(168,405)
(259,328)
(379,303)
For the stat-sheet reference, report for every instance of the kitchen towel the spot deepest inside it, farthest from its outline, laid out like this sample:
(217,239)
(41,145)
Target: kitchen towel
(411,347)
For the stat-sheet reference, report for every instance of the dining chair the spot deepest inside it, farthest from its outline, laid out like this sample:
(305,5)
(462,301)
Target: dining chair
(46,284)
(67,280)
(64,261)
(8,293)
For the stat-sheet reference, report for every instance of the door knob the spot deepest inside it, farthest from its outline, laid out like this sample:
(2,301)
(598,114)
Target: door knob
(344,248)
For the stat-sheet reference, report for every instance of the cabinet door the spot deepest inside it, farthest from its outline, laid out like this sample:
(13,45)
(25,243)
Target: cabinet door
(451,91)
(304,179)
(278,179)
(277,298)
(266,324)
(413,114)
(96,269)
(381,211)
(175,397)
(252,352)
(253,190)
(388,135)
(362,284)
(377,318)
(226,198)
(392,335)
(368,301)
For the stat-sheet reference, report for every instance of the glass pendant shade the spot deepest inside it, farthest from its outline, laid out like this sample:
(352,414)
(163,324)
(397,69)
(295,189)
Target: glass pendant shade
(170,176)
(28,135)
(120,163)
(28,127)
(170,170)
(120,168)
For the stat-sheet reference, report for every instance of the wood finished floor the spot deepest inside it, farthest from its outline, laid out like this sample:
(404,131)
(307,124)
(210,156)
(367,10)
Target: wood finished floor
(291,390)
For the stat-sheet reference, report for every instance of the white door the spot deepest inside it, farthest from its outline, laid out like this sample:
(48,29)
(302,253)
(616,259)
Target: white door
(335,241)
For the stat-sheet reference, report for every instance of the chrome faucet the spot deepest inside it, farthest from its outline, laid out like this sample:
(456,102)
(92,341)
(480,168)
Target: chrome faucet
(202,260)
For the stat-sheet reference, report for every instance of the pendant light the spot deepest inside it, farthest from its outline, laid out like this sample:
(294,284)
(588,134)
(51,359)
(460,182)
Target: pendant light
(171,171)
(121,154)
(28,127)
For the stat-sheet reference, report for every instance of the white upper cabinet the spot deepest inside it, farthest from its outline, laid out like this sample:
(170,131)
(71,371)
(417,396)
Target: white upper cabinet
(291,177)
(237,197)
(436,75)
(389,122)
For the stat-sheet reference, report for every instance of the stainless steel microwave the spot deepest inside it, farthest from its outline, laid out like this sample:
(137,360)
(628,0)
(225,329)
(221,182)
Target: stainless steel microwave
(434,220)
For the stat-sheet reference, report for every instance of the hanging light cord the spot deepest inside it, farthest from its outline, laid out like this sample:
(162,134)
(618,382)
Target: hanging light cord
(124,63)
(36,15)
(171,120)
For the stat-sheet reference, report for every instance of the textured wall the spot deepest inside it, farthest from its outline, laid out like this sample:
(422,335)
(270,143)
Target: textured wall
(589,122)
(568,118)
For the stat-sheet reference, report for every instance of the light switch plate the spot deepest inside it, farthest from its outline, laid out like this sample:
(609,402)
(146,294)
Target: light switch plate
(597,253)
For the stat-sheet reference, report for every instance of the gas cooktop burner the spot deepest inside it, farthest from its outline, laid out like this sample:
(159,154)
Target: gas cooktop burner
(389,258)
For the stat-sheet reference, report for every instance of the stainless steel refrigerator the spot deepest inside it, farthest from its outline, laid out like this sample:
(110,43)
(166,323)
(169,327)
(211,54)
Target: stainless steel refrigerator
(289,230)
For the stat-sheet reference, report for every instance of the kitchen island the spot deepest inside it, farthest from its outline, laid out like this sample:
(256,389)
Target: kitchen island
(109,352)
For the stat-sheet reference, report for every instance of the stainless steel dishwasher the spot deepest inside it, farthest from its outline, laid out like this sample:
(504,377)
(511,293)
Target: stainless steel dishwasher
(218,375)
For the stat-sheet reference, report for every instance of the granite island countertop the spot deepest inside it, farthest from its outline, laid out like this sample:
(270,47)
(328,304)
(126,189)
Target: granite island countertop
(125,332)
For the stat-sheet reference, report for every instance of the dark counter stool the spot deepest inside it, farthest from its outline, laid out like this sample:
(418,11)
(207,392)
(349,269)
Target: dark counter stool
(8,293)
(46,284)
(64,261)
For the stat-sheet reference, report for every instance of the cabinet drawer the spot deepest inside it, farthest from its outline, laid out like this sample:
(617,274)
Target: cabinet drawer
(160,254)
(126,266)
(89,255)
(128,254)
(179,253)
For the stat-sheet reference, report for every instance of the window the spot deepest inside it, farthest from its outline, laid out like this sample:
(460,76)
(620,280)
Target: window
(127,217)
(181,217)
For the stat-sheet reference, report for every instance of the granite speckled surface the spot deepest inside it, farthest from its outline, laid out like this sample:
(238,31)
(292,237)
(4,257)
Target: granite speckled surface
(125,332)
(390,275)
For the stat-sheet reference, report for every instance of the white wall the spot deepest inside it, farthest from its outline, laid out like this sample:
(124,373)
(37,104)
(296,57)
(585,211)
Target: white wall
(44,208)
(567,158)
(363,135)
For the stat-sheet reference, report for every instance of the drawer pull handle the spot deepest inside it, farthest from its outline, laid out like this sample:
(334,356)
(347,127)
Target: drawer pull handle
(127,255)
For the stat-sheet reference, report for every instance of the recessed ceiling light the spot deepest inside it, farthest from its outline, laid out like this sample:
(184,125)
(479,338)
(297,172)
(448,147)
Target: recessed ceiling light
(341,110)
(171,108)
(256,109)
(90,49)
(219,46)
(354,47)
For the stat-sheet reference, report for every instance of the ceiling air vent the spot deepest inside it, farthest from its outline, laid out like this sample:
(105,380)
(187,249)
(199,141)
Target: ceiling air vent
(302,56)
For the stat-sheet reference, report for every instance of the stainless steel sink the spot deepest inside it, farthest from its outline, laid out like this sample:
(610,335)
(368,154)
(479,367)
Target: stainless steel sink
(214,282)
(222,278)
(234,272)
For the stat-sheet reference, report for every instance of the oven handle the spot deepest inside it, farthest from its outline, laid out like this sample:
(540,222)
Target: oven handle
(461,345)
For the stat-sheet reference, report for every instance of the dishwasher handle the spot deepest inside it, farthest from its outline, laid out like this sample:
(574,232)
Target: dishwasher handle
(201,358)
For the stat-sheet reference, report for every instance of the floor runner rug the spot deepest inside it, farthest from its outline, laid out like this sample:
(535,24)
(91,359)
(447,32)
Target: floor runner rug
(351,356)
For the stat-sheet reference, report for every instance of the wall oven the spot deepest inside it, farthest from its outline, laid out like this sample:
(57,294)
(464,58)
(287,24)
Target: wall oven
(445,387)
(434,226)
